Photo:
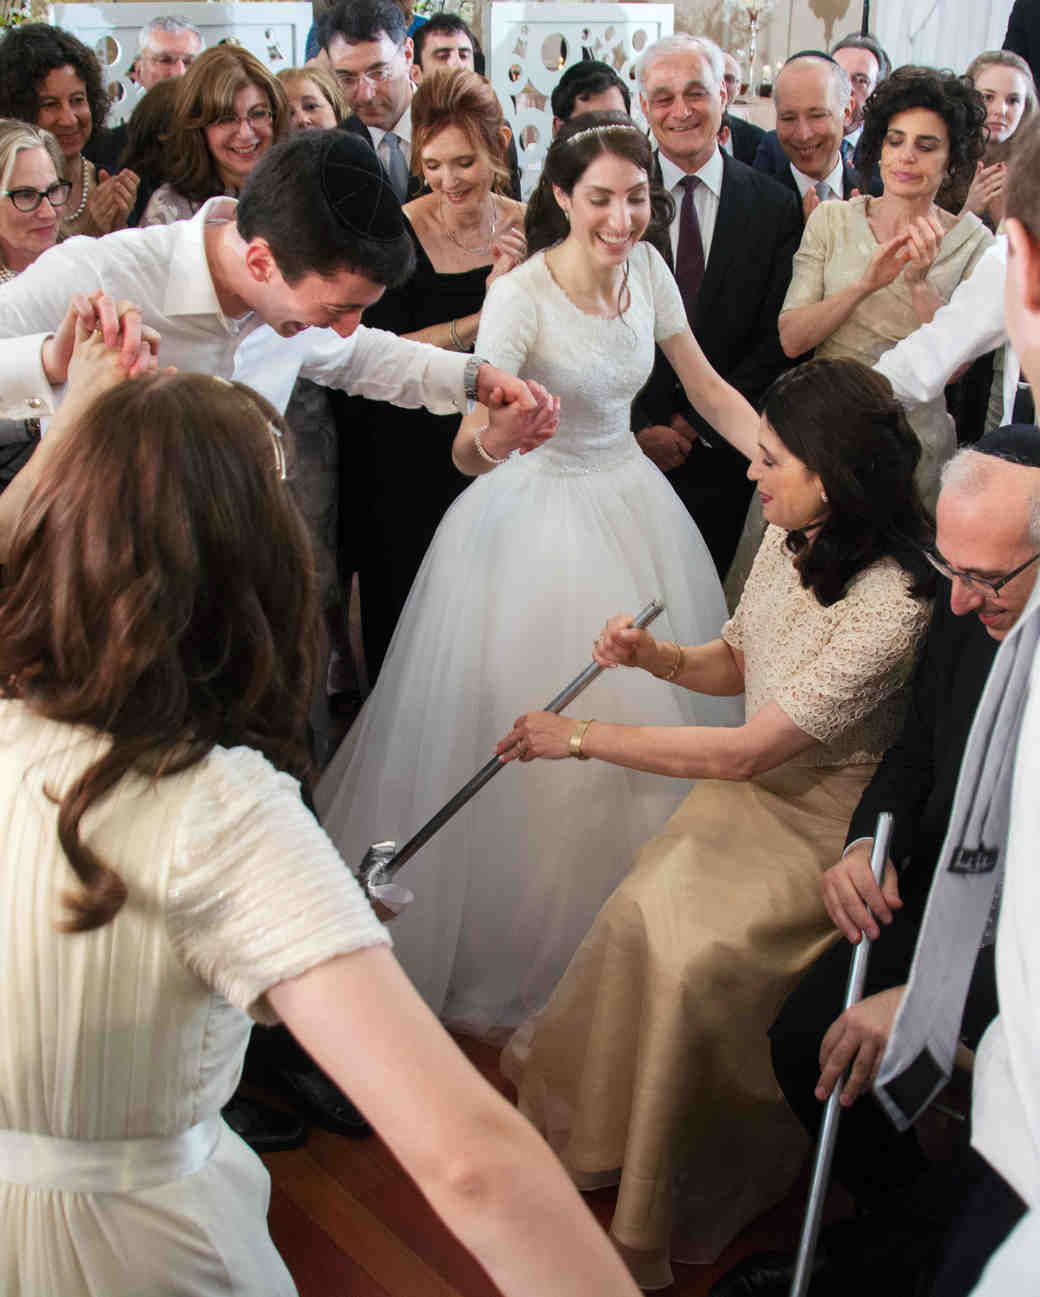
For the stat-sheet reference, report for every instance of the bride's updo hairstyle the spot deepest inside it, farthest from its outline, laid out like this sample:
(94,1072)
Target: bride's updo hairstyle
(458,97)
(568,159)
(160,590)
(841,420)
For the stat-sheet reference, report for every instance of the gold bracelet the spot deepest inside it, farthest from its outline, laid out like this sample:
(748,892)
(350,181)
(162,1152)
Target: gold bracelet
(576,740)
(456,341)
(677,665)
(485,455)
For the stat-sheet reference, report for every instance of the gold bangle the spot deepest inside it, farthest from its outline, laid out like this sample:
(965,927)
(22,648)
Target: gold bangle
(576,740)
(677,665)
(485,455)
(456,341)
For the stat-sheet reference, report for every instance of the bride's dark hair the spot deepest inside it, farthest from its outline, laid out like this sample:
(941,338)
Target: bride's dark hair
(160,589)
(566,163)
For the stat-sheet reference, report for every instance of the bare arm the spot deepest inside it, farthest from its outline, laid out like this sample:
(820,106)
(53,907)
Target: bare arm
(712,397)
(804,327)
(684,752)
(485,1171)
(714,668)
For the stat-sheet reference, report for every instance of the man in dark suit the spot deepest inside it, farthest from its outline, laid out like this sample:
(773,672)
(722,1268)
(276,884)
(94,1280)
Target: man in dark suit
(370,51)
(744,137)
(986,529)
(867,65)
(747,229)
(1023,34)
(813,98)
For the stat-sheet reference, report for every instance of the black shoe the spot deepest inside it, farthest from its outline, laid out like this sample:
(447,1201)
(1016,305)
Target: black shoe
(265,1130)
(764,1274)
(323,1101)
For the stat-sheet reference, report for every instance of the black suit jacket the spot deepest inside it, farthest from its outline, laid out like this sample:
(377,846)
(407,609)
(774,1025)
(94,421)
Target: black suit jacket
(1023,33)
(917,777)
(745,138)
(356,126)
(757,231)
(773,161)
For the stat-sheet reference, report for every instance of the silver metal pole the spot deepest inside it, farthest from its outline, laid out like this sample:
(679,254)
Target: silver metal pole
(821,1173)
(382,860)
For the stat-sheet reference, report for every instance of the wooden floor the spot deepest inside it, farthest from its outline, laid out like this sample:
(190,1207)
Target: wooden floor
(348,1220)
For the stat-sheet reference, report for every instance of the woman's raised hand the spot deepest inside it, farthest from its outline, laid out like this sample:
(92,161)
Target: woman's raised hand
(887,262)
(621,644)
(926,236)
(508,250)
(987,184)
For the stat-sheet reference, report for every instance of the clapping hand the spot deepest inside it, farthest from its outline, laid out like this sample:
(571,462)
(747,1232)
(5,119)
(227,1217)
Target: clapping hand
(988,184)
(667,445)
(508,250)
(926,235)
(887,262)
(112,200)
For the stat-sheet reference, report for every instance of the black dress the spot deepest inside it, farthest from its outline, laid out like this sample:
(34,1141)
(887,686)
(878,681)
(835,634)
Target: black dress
(396,466)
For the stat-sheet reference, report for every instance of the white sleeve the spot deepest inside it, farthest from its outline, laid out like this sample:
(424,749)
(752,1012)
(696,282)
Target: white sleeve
(384,367)
(37,300)
(970,324)
(508,323)
(25,392)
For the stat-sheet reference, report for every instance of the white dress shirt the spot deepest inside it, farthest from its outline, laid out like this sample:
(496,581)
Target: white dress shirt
(705,197)
(402,129)
(970,324)
(836,179)
(164,270)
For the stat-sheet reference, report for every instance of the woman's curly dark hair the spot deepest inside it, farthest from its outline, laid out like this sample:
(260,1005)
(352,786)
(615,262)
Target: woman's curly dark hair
(959,105)
(566,163)
(28,54)
(842,421)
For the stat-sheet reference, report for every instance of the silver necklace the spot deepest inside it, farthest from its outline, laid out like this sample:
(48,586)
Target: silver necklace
(458,242)
(71,220)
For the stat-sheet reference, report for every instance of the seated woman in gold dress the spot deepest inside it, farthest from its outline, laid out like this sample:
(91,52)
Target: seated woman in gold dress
(650,1065)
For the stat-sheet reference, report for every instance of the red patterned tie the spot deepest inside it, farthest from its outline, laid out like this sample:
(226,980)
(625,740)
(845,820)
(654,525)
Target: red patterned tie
(689,255)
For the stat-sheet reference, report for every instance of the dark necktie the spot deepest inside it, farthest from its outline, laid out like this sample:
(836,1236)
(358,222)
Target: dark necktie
(689,254)
(396,166)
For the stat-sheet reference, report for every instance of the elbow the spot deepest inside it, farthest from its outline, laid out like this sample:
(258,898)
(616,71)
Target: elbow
(477,1176)
(790,343)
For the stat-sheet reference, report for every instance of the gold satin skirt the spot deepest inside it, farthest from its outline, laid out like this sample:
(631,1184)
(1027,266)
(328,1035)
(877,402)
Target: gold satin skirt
(650,1067)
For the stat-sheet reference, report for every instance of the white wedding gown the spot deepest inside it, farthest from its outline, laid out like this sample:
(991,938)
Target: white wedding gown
(526,566)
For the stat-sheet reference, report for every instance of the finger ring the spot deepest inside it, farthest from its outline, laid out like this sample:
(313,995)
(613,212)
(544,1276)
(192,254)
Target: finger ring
(98,335)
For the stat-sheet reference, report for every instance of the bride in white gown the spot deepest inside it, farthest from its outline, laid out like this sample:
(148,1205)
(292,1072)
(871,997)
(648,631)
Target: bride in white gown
(531,557)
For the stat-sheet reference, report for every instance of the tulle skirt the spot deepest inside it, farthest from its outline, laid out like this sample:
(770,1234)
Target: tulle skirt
(526,566)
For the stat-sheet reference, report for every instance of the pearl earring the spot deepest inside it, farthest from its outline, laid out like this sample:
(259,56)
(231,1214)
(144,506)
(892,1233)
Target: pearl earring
(823,496)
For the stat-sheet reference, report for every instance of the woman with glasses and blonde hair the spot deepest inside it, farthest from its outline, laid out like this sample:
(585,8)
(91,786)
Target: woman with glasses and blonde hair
(228,112)
(32,198)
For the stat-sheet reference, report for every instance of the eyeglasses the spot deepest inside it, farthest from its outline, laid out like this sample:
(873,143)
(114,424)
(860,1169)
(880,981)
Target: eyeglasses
(255,117)
(374,76)
(977,584)
(27,199)
(171,60)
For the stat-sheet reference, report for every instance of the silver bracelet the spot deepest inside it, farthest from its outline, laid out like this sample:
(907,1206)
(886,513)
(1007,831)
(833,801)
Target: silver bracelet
(490,459)
(456,341)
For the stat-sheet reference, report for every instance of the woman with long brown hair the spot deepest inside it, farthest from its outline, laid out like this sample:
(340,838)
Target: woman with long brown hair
(162,882)
(228,112)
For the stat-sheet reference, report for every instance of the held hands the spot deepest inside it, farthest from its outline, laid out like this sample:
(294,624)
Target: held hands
(857,1039)
(95,366)
(112,200)
(120,323)
(620,644)
(849,887)
(538,734)
(519,426)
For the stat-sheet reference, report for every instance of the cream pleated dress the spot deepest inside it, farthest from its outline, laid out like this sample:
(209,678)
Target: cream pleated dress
(118,1177)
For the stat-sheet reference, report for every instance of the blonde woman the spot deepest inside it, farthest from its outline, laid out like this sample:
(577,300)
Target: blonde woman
(228,112)
(315,100)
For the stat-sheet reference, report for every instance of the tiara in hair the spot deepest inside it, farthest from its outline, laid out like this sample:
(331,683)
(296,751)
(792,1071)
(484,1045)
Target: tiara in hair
(601,130)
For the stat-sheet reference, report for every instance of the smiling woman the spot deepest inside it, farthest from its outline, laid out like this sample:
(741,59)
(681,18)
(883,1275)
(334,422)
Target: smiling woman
(51,79)
(228,112)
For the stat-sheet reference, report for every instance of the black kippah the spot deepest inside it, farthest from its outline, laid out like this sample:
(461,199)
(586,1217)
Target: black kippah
(357,189)
(1017,442)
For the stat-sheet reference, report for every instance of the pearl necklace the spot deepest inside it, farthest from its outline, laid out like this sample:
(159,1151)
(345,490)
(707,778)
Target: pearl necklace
(458,242)
(6,275)
(71,220)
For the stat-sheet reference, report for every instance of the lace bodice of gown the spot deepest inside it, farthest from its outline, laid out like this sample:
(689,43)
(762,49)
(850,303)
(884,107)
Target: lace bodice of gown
(594,365)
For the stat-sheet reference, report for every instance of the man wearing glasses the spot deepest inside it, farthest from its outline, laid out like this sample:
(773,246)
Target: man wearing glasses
(167,46)
(371,53)
(987,550)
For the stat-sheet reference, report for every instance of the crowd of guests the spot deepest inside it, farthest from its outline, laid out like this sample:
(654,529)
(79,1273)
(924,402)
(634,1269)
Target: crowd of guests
(703,362)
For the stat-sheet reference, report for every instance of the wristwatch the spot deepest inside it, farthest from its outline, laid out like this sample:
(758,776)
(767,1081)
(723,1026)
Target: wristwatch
(469,377)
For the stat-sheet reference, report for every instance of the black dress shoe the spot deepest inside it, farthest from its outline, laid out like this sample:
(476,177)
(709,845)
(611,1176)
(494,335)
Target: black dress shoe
(763,1274)
(265,1130)
(321,1099)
